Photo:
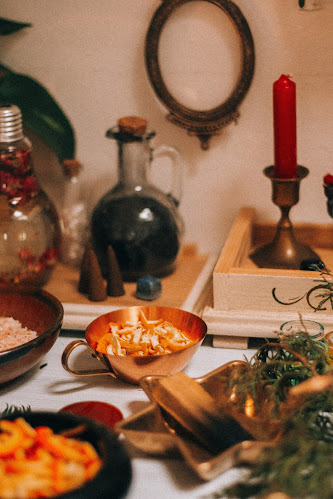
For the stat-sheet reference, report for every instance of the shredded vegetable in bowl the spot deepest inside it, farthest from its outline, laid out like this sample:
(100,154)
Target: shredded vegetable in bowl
(142,338)
(36,462)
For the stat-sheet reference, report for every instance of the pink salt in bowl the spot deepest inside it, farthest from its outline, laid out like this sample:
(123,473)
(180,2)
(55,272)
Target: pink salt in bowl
(36,310)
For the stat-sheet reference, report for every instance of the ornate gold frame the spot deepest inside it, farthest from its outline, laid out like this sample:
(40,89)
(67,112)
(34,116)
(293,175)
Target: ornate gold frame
(203,124)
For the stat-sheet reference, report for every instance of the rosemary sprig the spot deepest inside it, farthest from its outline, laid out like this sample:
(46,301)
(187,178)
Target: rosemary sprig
(326,284)
(277,366)
(300,464)
(13,410)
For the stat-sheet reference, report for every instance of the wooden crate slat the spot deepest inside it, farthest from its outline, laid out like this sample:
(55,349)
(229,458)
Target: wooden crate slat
(256,300)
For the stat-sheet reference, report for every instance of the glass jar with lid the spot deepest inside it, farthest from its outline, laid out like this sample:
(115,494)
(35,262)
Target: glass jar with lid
(29,224)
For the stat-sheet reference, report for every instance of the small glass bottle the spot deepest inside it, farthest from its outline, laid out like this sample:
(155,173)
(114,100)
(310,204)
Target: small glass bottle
(141,222)
(74,218)
(29,224)
(314,329)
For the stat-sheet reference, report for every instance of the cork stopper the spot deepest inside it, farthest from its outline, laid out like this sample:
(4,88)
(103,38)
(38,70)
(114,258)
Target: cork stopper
(71,167)
(132,124)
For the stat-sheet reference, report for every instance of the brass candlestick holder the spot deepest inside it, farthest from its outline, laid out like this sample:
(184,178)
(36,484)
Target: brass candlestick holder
(284,251)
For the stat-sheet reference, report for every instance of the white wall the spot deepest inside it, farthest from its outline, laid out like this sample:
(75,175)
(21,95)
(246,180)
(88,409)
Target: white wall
(90,55)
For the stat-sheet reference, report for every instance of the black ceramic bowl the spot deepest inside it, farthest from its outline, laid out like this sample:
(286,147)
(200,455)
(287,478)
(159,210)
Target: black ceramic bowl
(38,310)
(114,477)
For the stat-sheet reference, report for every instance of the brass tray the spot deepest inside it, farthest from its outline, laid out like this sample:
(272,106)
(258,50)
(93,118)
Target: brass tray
(153,433)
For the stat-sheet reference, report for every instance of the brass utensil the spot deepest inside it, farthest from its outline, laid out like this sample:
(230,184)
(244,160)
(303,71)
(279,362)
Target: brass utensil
(206,463)
(189,405)
(157,432)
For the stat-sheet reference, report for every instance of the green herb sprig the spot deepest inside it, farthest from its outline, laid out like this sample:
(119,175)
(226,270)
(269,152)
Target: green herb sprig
(300,464)
(13,410)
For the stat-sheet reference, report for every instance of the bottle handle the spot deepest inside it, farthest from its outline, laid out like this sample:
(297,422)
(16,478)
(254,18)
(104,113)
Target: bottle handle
(177,166)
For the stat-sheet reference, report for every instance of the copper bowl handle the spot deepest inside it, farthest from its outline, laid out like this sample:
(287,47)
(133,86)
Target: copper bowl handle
(84,372)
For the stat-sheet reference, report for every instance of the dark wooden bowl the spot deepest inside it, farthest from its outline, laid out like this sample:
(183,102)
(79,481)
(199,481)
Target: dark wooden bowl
(38,310)
(115,475)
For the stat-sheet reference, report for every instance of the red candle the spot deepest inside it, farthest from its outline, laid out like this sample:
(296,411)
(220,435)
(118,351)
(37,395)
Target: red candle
(284,107)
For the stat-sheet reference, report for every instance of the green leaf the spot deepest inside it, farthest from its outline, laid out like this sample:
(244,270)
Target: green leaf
(7,26)
(41,113)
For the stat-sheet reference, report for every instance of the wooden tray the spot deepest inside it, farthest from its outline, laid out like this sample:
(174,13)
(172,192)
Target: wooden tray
(253,302)
(188,287)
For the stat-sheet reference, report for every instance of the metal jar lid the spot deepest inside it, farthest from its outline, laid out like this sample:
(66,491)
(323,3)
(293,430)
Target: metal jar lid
(11,127)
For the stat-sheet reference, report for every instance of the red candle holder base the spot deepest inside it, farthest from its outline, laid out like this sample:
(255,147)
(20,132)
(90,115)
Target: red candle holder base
(284,251)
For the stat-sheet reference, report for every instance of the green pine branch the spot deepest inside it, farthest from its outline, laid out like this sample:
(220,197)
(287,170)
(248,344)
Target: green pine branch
(300,464)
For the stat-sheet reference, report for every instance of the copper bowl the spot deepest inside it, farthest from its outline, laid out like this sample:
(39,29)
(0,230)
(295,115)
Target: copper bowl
(38,310)
(131,368)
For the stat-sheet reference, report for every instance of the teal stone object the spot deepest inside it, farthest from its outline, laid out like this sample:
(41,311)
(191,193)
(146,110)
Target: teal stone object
(148,288)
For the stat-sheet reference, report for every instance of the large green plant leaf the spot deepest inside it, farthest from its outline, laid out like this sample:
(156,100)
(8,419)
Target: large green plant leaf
(7,26)
(41,113)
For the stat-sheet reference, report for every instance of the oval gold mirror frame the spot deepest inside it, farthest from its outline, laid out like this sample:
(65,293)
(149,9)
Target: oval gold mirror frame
(203,124)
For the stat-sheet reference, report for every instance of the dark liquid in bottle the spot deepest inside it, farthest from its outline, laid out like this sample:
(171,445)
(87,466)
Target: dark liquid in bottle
(142,232)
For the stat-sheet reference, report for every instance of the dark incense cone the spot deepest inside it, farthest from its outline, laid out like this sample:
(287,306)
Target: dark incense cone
(97,288)
(83,286)
(115,286)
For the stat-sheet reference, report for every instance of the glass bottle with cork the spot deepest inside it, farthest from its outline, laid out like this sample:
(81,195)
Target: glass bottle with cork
(137,219)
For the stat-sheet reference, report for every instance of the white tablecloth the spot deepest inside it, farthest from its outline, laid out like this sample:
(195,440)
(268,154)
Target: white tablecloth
(49,387)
